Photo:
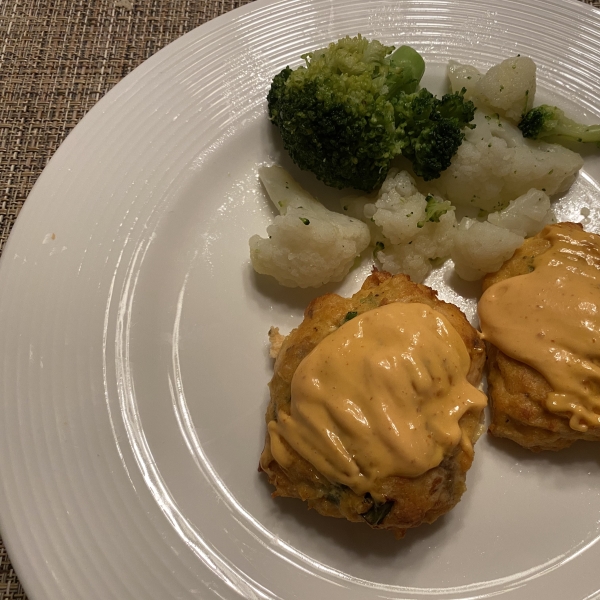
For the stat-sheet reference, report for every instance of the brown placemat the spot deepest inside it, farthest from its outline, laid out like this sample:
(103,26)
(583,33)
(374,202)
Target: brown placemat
(57,59)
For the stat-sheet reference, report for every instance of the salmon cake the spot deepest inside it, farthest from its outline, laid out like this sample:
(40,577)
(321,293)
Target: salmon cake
(375,407)
(539,315)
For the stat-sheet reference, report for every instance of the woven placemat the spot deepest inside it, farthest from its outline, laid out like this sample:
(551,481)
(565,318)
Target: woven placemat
(57,59)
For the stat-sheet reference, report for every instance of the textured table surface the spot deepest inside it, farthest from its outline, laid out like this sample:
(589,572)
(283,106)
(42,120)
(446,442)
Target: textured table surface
(57,59)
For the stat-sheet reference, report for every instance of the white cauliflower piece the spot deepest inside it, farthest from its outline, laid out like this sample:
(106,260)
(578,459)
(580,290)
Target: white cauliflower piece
(526,216)
(308,245)
(508,88)
(413,228)
(354,207)
(433,241)
(464,76)
(495,165)
(399,208)
(480,248)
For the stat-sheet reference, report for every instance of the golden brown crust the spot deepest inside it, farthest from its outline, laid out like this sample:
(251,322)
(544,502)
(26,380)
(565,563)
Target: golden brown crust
(415,500)
(515,390)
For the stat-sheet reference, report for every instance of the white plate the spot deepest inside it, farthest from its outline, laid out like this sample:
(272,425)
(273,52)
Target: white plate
(134,352)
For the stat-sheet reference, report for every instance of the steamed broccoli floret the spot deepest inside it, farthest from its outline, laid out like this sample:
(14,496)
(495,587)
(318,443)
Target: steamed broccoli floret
(430,130)
(550,122)
(434,210)
(352,108)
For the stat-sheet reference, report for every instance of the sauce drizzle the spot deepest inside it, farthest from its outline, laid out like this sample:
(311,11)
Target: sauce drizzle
(549,319)
(380,396)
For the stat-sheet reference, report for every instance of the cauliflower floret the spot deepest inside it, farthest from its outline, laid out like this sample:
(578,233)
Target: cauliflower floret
(434,240)
(464,76)
(308,245)
(480,248)
(526,216)
(399,208)
(354,207)
(495,165)
(508,88)
(412,229)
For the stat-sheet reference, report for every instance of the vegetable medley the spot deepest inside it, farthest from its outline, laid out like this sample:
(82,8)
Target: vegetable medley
(355,117)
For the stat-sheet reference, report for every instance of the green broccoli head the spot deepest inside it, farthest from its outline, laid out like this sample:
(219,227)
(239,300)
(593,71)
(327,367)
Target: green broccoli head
(335,115)
(353,107)
(549,122)
(430,130)
(533,123)
(434,210)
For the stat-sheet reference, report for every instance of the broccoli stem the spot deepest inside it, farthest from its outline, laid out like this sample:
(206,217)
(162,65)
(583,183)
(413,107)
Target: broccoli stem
(577,131)
(550,122)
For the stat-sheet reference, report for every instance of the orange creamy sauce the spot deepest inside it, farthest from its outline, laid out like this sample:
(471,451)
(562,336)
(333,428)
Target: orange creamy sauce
(549,319)
(381,396)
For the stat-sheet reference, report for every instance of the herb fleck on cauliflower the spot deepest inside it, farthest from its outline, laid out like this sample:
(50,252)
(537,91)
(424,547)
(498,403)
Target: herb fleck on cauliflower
(412,232)
(508,88)
(481,247)
(496,164)
(308,245)
(410,229)
(498,179)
